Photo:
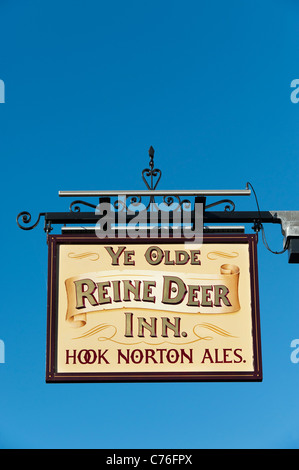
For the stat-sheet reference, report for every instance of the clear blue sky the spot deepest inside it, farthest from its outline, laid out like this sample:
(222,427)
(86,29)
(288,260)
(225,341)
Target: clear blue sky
(89,86)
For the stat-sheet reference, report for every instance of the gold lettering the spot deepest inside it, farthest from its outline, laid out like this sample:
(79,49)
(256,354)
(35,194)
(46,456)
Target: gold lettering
(192,301)
(88,294)
(194,254)
(206,301)
(128,287)
(147,290)
(221,293)
(102,292)
(127,258)
(181,257)
(173,284)
(129,325)
(174,327)
(142,323)
(115,256)
(154,255)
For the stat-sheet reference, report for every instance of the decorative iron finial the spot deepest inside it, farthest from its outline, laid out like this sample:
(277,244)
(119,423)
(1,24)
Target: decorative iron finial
(151,172)
(151,152)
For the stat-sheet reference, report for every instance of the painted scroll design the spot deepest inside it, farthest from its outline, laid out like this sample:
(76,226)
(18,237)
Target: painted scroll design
(92,256)
(213,255)
(101,328)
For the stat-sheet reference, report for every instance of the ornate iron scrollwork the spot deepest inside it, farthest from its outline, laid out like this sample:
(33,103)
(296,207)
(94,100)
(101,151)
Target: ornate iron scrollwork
(130,202)
(151,172)
(230,207)
(26,219)
(76,208)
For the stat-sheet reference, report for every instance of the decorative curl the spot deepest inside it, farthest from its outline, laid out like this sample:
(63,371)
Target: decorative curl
(230,207)
(75,208)
(154,173)
(26,219)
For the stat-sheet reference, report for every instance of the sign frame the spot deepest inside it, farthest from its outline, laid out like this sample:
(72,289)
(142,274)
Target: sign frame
(53,376)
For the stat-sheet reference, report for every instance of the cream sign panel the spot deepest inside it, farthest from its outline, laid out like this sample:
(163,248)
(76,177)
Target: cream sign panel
(153,309)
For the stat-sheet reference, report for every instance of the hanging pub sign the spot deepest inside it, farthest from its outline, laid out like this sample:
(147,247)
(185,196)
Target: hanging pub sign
(153,309)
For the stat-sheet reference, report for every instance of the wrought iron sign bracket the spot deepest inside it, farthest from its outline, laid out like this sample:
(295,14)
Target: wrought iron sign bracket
(172,202)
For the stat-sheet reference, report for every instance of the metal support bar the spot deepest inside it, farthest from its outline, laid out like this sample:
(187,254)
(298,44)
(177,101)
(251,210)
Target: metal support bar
(209,217)
(158,192)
